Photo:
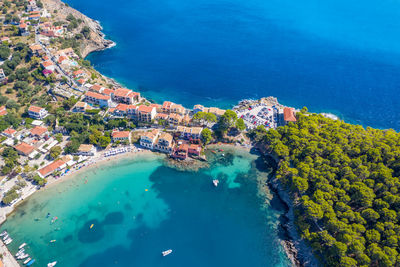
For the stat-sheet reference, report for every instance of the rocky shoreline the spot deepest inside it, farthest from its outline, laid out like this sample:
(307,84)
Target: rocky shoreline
(298,251)
(97,40)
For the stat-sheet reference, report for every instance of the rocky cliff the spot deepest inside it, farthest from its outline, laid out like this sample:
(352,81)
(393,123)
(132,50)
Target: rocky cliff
(95,42)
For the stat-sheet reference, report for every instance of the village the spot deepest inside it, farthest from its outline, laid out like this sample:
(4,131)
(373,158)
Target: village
(47,140)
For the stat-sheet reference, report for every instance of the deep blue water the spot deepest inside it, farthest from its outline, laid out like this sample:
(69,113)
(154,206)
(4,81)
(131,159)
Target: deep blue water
(335,55)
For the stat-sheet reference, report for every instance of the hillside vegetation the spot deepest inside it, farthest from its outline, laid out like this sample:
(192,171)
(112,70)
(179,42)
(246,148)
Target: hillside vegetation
(345,182)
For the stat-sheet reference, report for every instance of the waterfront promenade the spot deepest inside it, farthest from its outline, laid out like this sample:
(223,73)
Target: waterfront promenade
(8,260)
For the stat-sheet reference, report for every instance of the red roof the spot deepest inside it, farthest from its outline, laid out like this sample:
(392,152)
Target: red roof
(35,109)
(51,167)
(120,134)
(9,131)
(167,104)
(61,59)
(97,95)
(96,87)
(288,114)
(107,91)
(77,72)
(38,130)
(123,92)
(162,116)
(24,148)
(47,64)
(145,109)
(3,111)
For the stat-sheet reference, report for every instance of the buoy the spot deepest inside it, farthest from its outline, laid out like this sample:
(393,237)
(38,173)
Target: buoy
(91,226)
(146,190)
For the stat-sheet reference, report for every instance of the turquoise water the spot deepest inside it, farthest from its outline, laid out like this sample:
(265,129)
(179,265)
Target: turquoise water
(335,55)
(205,226)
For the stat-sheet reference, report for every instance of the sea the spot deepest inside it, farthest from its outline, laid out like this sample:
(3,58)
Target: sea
(336,56)
(126,212)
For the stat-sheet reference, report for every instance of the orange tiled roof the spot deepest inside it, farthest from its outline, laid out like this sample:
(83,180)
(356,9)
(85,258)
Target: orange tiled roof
(35,109)
(145,109)
(9,131)
(120,134)
(97,95)
(38,130)
(24,148)
(288,114)
(51,167)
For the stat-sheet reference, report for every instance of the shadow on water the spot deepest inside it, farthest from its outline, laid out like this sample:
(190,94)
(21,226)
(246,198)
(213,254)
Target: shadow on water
(93,230)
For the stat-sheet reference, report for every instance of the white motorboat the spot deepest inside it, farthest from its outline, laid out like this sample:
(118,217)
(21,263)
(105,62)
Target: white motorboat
(167,252)
(3,233)
(22,245)
(5,237)
(21,251)
(8,241)
(23,256)
(51,264)
(27,260)
(215,182)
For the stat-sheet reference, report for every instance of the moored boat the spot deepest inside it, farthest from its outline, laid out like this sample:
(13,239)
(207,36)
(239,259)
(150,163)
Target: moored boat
(27,260)
(3,233)
(22,245)
(30,262)
(8,241)
(167,252)
(51,264)
(5,237)
(23,256)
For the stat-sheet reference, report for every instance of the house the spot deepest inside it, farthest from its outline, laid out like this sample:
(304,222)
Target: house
(63,60)
(174,118)
(146,114)
(37,113)
(36,49)
(5,39)
(164,143)
(3,78)
(81,81)
(3,110)
(98,99)
(81,107)
(24,149)
(216,111)
(194,149)
(56,165)
(23,29)
(289,115)
(189,132)
(10,133)
(39,132)
(166,107)
(161,116)
(121,136)
(179,109)
(86,150)
(69,52)
(123,95)
(97,88)
(79,73)
(48,65)
(148,139)
(122,110)
(181,152)
(157,106)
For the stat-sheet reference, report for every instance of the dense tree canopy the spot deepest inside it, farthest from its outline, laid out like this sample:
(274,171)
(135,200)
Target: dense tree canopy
(345,180)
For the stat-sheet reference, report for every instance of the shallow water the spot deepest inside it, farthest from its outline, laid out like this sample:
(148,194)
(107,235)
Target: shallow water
(139,208)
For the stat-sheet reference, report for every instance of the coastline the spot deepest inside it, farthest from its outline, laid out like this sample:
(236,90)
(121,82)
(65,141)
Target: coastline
(296,249)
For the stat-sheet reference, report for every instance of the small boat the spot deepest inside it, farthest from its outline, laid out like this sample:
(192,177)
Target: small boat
(167,252)
(8,241)
(30,262)
(22,256)
(21,251)
(51,264)
(52,241)
(6,237)
(48,215)
(22,245)
(27,260)
(3,233)
(215,182)
(54,219)
(91,226)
